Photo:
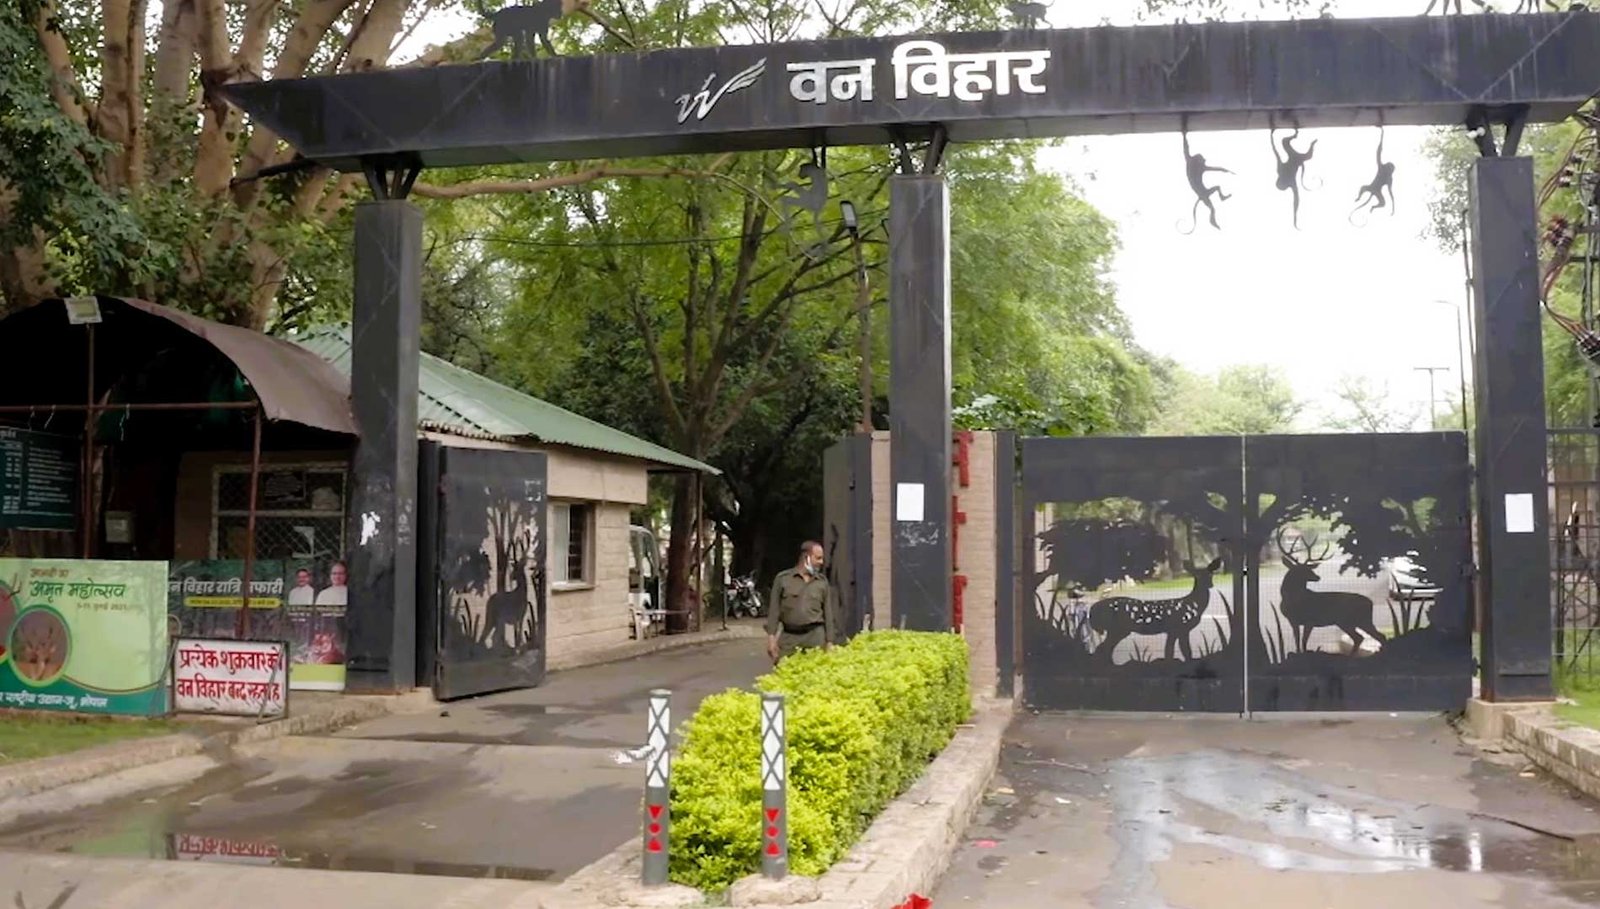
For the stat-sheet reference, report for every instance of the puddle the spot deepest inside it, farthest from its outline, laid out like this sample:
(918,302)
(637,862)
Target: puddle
(246,815)
(192,847)
(1281,821)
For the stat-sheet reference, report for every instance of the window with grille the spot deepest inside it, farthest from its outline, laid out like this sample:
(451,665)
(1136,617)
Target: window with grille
(571,542)
(299,512)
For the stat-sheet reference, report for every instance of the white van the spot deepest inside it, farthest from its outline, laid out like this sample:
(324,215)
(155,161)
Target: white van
(646,617)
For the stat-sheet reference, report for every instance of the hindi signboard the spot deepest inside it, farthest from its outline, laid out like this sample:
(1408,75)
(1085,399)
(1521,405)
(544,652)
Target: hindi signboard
(235,678)
(38,480)
(84,636)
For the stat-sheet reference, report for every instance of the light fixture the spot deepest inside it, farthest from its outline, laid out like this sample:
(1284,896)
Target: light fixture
(847,210)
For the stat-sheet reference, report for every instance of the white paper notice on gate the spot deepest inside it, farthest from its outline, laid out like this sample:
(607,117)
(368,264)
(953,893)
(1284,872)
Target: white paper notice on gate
(1519,512)
(234,678)
(908,499)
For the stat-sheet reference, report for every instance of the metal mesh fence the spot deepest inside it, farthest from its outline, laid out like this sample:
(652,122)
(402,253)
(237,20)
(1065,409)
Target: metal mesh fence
(1575,550)
(299,513)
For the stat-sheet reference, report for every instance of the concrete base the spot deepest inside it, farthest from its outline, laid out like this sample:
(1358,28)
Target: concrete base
(1565,750)
(793,890)
(1487,719)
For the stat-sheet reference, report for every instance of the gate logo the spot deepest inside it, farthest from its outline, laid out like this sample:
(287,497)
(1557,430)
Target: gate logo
(700,103)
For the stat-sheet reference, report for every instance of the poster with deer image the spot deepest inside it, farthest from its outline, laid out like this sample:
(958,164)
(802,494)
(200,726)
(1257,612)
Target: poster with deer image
(84,636)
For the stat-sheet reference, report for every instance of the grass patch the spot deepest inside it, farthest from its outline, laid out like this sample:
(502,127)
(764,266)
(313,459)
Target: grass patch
(24,737)
(1582,688)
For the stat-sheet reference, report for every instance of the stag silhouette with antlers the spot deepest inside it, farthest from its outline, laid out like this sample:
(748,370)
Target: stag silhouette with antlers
(1118,617)
(1307,609)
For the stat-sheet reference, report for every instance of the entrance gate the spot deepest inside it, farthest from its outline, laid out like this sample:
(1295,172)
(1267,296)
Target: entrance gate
(1263,572)
(928,91)
(484,578)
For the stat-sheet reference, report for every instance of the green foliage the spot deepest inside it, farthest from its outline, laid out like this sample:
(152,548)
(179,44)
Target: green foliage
(863,720)
(1238,400)
(48,163)
(1567,379)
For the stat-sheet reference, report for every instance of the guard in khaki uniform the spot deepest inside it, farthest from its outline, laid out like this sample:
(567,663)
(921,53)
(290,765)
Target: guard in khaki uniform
(800,612)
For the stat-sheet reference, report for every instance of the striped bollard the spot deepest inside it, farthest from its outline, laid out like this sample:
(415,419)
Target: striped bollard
(774,789)
(657,773)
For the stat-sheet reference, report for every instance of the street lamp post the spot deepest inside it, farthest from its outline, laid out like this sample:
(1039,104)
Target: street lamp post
(1461,359)
(1433,398)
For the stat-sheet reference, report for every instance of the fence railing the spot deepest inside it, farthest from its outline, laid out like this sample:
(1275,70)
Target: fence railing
(1575,551)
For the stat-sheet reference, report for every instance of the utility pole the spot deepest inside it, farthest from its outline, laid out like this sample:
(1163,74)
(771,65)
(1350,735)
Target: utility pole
(1433,400)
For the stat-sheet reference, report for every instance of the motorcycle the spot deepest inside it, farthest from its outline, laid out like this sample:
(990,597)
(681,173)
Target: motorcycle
(742,599)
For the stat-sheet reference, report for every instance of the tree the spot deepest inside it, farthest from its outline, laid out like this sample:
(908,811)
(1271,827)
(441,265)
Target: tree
(1238,400)
(1568,396)
(1366,407)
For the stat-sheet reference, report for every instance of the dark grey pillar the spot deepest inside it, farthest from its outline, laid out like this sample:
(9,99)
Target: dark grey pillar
(920,561)
(382,611)
(1513,545)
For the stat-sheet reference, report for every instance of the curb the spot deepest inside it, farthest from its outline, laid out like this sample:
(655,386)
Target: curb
(28,778)
(1566,750)
(905,851)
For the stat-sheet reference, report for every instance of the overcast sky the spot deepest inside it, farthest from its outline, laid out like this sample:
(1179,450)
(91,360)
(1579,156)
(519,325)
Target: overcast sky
(1329,300)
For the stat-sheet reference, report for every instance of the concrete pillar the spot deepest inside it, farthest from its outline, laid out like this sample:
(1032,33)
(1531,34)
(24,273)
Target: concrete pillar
(382,612)
(1514,538)
(919,402)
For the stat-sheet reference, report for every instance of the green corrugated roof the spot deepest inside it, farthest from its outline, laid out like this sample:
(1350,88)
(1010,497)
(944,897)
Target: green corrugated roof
(455,400)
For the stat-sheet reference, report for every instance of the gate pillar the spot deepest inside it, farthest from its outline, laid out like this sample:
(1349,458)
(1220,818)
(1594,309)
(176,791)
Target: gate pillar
(919,402)
(1513,513)
(382,509)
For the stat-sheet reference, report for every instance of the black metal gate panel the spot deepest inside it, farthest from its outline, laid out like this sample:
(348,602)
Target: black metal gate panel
(1360,547)
(489,589)
(1270,572)
(847,534)
(1130,596)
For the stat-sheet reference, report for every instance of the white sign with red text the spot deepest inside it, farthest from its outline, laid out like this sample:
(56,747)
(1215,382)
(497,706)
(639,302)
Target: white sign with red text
(235,678)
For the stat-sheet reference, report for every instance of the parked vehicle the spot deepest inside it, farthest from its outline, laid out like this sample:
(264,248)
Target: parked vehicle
(743,599)
(1406,575)
(644,583)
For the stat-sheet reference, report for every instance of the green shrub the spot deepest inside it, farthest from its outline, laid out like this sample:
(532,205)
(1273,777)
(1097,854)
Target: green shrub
(863,721)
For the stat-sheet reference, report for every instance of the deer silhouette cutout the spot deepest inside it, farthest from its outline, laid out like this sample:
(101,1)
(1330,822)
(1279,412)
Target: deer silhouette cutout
(507,606)
(1118,617)
(1306,609)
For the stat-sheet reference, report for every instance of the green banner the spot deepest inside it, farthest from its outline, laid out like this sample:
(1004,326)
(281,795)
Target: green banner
(84,636)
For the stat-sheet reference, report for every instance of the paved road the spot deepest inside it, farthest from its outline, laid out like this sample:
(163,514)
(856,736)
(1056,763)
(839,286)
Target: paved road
(1214,813)
(524,785)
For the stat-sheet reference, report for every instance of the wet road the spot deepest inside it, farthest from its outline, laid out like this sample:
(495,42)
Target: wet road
(1206,813)
(526,785)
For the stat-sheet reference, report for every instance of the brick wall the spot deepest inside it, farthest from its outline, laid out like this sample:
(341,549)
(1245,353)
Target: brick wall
(975,558)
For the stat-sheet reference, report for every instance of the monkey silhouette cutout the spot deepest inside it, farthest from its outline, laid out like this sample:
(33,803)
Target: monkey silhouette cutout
(811,196)
(1197,168)
(1026,14)
(1380,192)
(519,26)
(1292,166)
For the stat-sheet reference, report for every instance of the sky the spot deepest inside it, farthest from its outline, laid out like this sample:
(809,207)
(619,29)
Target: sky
(1330,300)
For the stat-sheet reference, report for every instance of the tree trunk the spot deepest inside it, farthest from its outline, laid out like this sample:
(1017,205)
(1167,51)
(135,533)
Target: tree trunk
(680,554)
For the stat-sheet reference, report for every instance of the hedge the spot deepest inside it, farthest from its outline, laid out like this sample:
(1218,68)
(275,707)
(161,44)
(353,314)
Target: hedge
(863,721)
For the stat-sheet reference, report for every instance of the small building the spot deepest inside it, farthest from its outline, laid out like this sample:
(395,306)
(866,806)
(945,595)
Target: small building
(174,414)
